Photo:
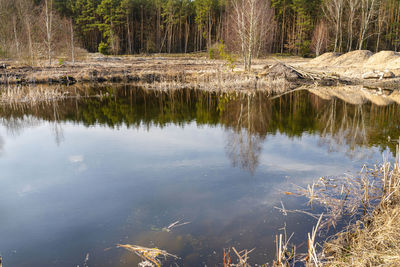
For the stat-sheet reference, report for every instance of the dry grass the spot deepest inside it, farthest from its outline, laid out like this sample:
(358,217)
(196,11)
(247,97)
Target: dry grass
(374,240)
(150,256)
(215,80)
(30,94)
(370,203)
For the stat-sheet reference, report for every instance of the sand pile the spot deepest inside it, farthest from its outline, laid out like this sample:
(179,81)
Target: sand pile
(359,59)
(352,58)
(382,58)
(325,59)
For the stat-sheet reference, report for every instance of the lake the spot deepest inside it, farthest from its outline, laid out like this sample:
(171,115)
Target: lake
(81,175)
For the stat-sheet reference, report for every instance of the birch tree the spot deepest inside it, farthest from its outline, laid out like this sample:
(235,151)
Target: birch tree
(253,20)
(368,10)
(49,26)
(319,39)
(381,20)
(352,5)
(333,10)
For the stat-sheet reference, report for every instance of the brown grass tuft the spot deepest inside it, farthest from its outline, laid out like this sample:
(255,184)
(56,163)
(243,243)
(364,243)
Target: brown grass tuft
(373,240)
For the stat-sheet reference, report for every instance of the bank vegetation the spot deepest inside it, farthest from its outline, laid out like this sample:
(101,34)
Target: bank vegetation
(52,29)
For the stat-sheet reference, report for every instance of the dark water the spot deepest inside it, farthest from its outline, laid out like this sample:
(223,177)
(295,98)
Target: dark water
(80,176)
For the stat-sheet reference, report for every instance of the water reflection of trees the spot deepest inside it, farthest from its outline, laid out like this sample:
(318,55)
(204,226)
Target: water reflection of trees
(1,145)
(354,127)
(17,118)
(345,126)
(247,118)
(16,125)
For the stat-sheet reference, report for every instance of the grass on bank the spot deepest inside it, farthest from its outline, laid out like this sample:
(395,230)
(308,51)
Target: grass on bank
(374,240)
(369,202)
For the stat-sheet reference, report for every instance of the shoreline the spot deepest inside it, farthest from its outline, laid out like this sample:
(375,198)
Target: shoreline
(196,71)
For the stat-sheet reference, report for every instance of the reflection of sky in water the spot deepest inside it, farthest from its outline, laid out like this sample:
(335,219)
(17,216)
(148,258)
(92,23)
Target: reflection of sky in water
(99,186)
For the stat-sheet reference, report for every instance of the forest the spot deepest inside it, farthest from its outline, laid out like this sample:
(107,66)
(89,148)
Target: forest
(33,29)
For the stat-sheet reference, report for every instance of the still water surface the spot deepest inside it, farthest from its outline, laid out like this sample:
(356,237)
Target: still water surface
(80,176)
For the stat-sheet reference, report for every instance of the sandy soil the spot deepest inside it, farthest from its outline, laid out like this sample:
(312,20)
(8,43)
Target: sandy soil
(354,64)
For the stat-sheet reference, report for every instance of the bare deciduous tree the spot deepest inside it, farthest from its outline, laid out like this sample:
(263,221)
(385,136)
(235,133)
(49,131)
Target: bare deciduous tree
(253,19)
(25,13)
(14,19)
(72,42)
(333,10)
(49,26)
(352,8)
(381,20)
(368,10)
(320,39)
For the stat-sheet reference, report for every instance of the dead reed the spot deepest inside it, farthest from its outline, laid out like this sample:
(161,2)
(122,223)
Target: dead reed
(30,94)
(150,256)
(373,240)
(370,203)
(242,258)
(220,81)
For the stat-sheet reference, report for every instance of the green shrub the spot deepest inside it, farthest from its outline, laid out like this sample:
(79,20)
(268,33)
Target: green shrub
(104,48)
(211,53)
(229,59)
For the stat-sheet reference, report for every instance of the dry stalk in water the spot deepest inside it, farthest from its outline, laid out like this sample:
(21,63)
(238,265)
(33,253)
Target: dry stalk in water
(150,256)
(312,258)
(374,239)
(243,257)
(173,225)
(285,254)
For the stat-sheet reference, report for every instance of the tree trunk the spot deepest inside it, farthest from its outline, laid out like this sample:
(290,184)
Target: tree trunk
(72,43)
(141,29)
(186,34)
(16,35)
(49,21)
(158,36)
(29,32)
(129,34)
(283,26)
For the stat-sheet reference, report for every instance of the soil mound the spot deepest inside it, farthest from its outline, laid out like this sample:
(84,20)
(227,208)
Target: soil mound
(280,70)
(352,58)
(394,63)
(325,59)
(382,58)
